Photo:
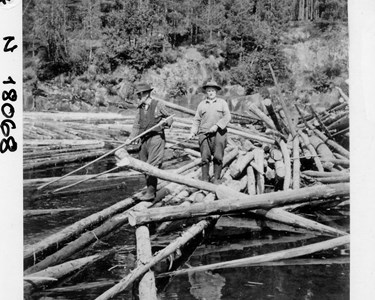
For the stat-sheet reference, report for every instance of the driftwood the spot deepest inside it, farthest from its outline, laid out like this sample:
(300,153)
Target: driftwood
(269,200)
(279,255)
(39,279)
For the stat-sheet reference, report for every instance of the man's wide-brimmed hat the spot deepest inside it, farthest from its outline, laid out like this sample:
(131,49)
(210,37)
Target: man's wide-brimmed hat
(142,87)
(212,84)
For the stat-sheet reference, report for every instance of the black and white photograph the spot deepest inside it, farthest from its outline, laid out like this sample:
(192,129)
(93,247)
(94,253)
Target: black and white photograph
(187,149)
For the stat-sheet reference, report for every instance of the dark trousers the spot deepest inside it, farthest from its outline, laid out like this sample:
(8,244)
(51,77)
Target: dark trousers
(213,145)
(152,152)
(212,148)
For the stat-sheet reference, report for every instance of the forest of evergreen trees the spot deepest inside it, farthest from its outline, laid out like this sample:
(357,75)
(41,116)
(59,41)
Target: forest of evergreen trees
(70,36)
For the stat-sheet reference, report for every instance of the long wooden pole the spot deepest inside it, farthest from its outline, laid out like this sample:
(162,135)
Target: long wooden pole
(283,104)
(279,255)
(108,153)
(264,201)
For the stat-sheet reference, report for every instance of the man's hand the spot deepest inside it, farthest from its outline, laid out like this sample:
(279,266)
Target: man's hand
(191,135)
(213,129)
(127,142)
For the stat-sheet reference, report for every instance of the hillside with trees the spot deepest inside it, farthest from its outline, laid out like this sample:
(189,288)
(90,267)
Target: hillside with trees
(89,53)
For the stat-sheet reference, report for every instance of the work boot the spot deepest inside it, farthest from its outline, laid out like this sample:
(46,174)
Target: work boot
(149,195)
(205,174)
(217,173)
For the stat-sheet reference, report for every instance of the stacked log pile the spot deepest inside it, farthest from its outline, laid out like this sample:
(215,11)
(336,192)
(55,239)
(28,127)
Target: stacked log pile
(274,169)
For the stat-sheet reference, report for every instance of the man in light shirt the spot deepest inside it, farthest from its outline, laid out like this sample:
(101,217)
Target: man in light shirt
(209,123)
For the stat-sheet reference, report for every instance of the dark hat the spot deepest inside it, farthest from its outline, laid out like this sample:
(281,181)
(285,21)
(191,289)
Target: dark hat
(143,87)
(212,84)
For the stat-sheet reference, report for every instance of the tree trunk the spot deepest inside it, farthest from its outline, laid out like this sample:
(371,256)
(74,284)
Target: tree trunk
(39,279)
(222,192)
(240,164)
(296,164)
(279,255)
(234,204)
(287,165)
(312,150)
(251,186)
(146,286)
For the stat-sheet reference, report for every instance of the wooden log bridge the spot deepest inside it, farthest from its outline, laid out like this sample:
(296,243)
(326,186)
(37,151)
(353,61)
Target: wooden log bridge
(224,192)
(265,201)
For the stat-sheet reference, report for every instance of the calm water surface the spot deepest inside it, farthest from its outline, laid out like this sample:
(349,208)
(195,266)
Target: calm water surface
(322,281)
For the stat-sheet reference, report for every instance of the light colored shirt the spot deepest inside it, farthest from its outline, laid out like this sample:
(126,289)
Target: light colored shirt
(209,113)
(160,111)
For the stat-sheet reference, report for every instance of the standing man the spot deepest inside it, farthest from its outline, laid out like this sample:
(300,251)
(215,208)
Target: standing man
(149,113)
(210,122)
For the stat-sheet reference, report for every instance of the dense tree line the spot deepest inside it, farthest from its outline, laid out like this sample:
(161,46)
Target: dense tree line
(71,35)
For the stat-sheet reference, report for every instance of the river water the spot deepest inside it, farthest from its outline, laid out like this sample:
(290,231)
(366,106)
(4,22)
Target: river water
(321,276)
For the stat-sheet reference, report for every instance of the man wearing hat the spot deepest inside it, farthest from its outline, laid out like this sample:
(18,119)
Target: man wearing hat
(210,122)
(149,113)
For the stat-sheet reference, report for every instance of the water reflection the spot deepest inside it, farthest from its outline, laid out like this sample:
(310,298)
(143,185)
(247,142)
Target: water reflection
(206,286)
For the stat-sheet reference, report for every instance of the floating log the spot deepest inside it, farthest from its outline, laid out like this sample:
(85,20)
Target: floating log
(142,269)
(331,143)
(268,200)
(325,129)
(262,116)
(296,164)
(306,141)
(63,159)
(60,238)
(223,192)
(341,162)
(39,279)
(334,179)
(323,174)
(268,104)
(279,255)
(251,185)
(109,152)
(255,224)
(287,165)
(240,164)
(259,176)
(146,286)
(42,212)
